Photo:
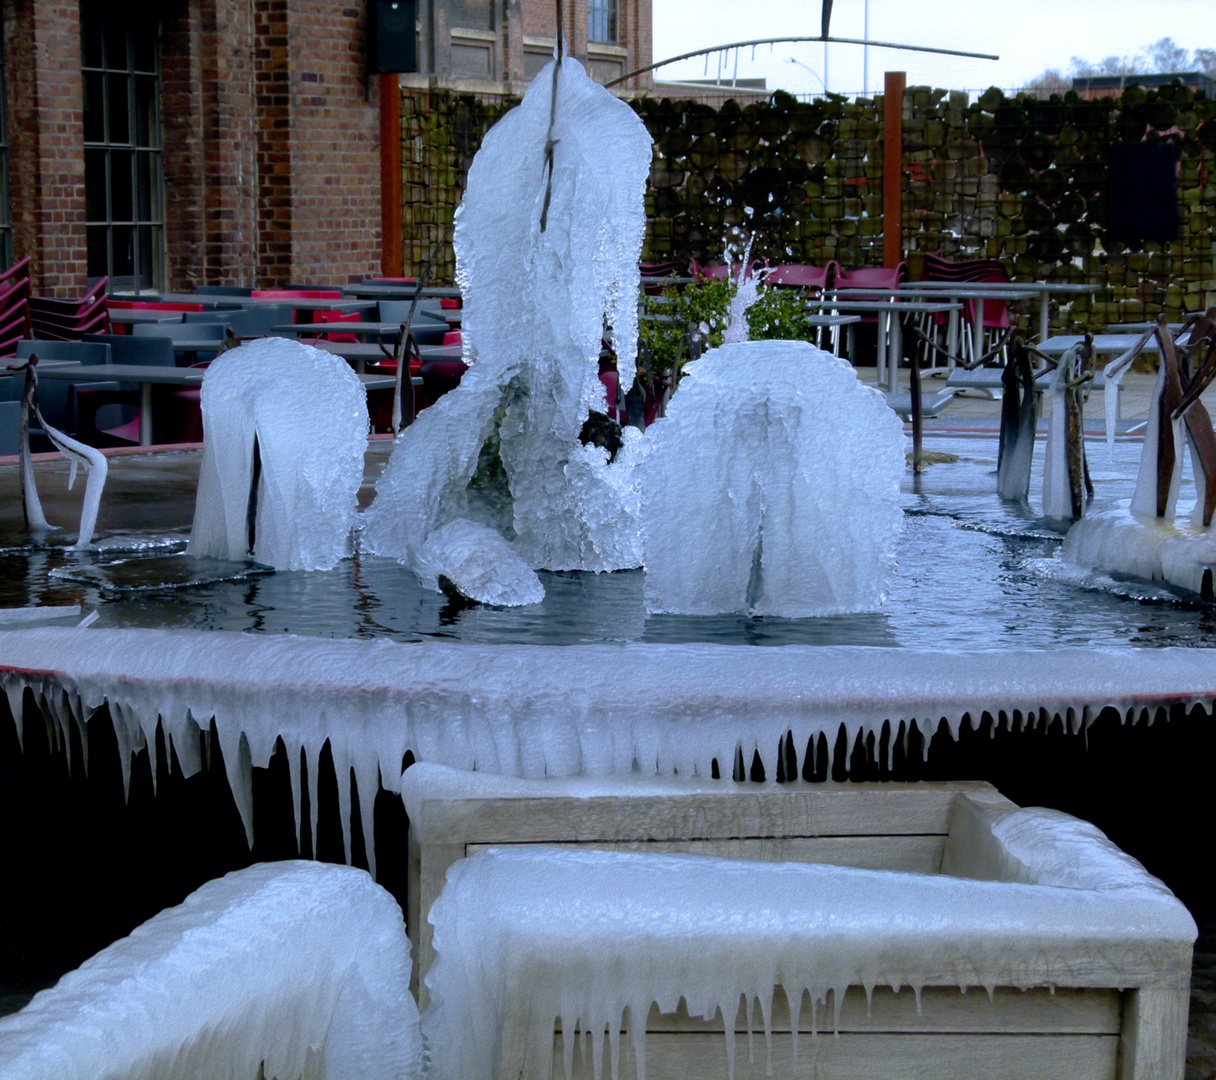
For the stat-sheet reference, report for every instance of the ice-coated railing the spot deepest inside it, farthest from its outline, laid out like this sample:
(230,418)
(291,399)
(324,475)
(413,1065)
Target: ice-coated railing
(540,710)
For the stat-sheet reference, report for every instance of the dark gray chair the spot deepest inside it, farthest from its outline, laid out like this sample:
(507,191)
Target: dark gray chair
(102,429)
(428,326)
(57,399)
(398,310)
(10,427)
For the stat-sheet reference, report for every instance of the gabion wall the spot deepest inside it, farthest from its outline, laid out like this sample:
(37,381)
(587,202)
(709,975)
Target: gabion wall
(1023,180)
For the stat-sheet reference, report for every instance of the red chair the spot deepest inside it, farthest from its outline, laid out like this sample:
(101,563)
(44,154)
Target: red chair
(296,294)
(337,317)
(803,276)
(54,319)
(15,320)
(882,279)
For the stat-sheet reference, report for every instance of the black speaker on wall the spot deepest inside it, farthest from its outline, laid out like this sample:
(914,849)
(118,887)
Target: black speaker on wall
(391,36)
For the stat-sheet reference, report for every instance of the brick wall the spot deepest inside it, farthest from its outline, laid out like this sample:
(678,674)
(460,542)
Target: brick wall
(46,166)
(334,154)
(271,146)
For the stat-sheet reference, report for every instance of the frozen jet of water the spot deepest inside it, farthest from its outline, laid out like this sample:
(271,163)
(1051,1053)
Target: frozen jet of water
(772,486)
(286,430)
(502,449)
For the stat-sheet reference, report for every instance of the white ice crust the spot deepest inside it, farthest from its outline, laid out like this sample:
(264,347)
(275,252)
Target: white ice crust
(772,486)
(308,411)
(1147,547)
(594,938)
(533,711)
(300,965)
(535,307)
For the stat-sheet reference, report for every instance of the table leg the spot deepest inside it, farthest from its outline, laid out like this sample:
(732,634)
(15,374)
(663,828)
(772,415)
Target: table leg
(145,414)
(896,338)
(1044,314)
(977,331)
(951,340)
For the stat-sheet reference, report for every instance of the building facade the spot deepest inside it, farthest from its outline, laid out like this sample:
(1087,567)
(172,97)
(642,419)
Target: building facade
(239,142)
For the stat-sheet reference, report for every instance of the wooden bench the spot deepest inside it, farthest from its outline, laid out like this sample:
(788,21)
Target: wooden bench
(1099,1003)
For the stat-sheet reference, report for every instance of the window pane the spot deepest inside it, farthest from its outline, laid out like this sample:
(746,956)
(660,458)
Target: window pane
(94,108)
(148,271)
(122,195)
(116,43)
(95,238)
(145,111)
(90,33)
(143,44)
(120,126)
(145,175)
(124,251)
(95,185)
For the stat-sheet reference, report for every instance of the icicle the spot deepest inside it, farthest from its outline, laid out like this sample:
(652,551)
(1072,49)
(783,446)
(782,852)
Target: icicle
(239,767)
(597,1050)
(728,1028)
(294,765)
(766,1015)
(123,736)
(14,690)
(342,771)
(313,765)
(614,1045)
(82,725)
(569,1035)
(187,745)
(750,1004)
(153,758)
(637,1038)
(794,998)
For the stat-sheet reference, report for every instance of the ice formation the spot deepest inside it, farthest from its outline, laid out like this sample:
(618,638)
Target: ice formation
(307,413)
(502,449)
(534,711)
(533,934)
(79,455)
(1130,537)
(1064,457)
(772,486)
(299,968)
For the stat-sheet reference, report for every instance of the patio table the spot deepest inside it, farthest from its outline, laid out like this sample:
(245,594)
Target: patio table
(149,376)
(1104,344)
(390,291)
(1045,290)
(146,376)
(888,358)
(975,291)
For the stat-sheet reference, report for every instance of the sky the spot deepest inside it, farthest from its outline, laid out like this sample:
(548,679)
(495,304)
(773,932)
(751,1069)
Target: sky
(1029,36)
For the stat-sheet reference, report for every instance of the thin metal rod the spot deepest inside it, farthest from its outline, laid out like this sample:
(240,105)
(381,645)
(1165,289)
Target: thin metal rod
(549,141)
(787,40)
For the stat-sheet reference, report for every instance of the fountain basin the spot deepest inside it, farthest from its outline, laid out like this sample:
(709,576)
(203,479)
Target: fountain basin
(1025,899)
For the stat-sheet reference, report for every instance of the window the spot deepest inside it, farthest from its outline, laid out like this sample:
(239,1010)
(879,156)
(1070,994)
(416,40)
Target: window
(601,20)
(124,217)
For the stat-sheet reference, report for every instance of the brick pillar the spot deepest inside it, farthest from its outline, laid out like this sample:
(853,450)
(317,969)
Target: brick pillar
(272,103)
(46,157)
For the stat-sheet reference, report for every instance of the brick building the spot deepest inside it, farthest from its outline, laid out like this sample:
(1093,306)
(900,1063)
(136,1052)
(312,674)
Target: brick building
(238,142)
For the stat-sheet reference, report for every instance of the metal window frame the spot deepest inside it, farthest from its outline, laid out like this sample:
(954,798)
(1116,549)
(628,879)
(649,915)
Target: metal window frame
(150,277)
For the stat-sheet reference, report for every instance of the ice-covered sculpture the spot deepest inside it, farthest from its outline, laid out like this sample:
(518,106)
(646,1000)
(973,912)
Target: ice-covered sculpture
(286,431)
(1141,537)
(502,449)
(772,486)
(296,969)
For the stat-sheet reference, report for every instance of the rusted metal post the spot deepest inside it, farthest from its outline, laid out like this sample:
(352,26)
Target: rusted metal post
(392,260)
(892,169)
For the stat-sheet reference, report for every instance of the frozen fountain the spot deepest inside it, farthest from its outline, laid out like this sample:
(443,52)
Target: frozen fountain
(782,509)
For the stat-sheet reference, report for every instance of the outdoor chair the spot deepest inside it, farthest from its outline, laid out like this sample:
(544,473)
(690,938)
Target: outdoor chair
(70,320)
(802,276)
(881,279)
(57,399)
(154,351)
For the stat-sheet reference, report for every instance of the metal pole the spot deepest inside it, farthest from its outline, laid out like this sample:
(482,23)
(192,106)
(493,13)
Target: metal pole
(865,53)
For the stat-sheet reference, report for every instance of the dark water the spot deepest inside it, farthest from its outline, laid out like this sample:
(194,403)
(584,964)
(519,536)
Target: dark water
(972,573)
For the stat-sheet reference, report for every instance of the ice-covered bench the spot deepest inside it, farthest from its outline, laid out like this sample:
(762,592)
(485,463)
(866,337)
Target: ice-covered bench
(294,968)
(1085,959)
(454,814)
